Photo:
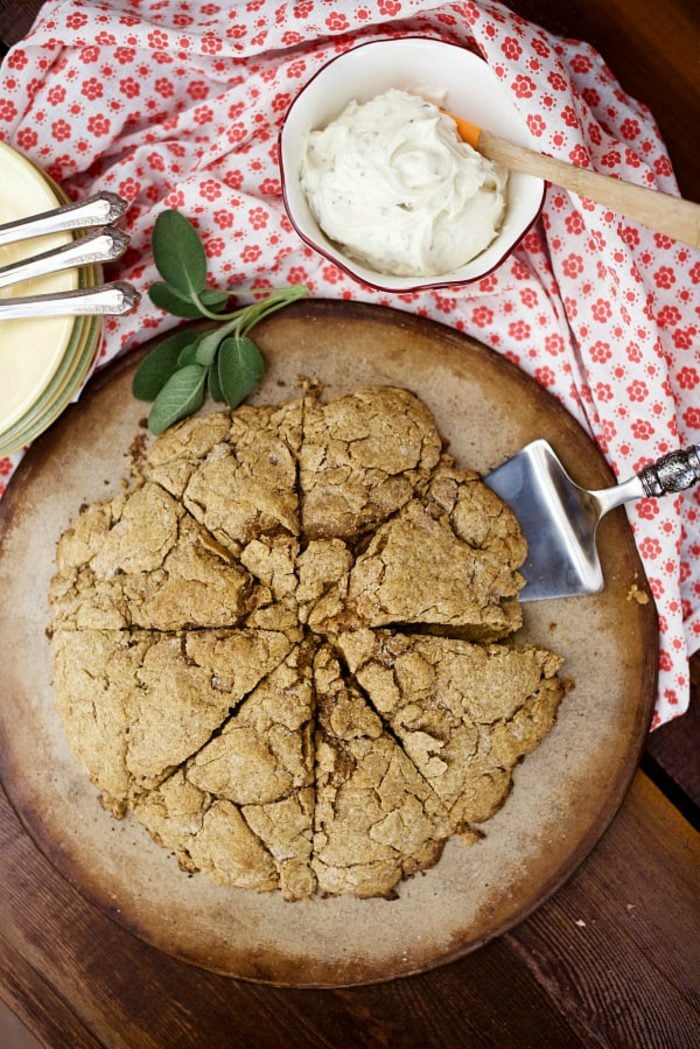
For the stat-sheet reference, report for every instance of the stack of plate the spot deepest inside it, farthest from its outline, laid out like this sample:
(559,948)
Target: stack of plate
(43,361)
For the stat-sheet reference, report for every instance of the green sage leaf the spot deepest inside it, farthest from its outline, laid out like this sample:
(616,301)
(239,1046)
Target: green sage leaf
(189,354)
(213,384)
(208,345)
(182,394)
(224,360)
(241,367)
(213,299)
(165,298)
(154,370)
(179,254)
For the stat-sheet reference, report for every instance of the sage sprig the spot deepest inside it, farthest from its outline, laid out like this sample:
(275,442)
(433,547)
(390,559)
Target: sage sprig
(223,361)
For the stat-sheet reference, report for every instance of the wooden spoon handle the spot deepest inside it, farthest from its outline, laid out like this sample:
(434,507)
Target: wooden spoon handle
(661,212)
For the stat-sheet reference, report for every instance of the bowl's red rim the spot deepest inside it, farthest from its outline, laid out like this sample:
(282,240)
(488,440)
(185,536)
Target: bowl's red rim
(344,265)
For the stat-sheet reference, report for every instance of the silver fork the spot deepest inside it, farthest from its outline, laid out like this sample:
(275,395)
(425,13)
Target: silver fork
(101,246)
(102,209)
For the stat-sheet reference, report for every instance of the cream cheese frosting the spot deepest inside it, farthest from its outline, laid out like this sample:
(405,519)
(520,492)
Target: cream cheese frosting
(390,181)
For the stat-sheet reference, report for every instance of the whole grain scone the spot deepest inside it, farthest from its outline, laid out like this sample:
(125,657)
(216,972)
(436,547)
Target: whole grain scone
(320,567)
(234,472)
(377,818)
(140,560)
(287,648)
(138,705)
(476,514)
(465,713)
(362,457)
(261,847)
(260,762)
(450,566)
(265,752)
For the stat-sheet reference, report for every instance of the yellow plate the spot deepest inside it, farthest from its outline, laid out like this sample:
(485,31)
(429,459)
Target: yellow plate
(77,355)
(69,376)
(31,349)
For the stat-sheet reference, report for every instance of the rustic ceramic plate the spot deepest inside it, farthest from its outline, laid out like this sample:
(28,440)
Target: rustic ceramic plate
(565,794)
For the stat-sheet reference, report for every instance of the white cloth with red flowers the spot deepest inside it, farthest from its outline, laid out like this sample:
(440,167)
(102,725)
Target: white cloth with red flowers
(178,105)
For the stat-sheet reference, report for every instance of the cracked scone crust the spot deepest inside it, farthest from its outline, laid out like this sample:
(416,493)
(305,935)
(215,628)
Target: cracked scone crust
(377,819)
(236,473)
(286,651)
(362,458)
(140,560)
(464,713)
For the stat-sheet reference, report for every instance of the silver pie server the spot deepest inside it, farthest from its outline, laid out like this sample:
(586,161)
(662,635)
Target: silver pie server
(559,518)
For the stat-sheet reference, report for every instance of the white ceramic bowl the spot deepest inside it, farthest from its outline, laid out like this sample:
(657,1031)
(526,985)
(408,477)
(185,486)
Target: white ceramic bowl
(423,65)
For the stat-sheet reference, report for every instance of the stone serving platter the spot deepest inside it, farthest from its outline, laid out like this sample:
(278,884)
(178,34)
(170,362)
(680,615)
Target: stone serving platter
(565,794)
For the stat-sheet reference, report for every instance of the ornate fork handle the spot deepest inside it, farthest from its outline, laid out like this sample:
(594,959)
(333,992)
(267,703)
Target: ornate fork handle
(103,246)
(116,299)
(672,473)
(100,210)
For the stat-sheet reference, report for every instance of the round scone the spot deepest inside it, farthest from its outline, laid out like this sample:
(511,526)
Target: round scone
(287,649)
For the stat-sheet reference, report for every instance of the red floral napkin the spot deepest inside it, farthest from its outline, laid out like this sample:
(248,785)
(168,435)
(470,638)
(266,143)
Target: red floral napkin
(175,104)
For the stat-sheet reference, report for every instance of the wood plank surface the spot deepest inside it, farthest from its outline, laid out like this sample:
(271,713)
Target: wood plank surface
(611,961)
(16,18)
(608,962)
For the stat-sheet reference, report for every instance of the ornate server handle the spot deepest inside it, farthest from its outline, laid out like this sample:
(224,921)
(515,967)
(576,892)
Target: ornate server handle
(672,473)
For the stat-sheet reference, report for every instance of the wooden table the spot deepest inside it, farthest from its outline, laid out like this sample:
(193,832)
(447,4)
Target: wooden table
(610,961)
